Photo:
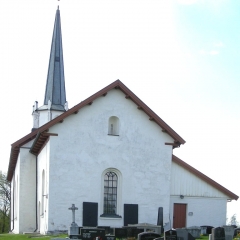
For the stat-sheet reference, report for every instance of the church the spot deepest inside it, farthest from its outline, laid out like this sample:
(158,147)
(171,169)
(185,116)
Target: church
(111,156)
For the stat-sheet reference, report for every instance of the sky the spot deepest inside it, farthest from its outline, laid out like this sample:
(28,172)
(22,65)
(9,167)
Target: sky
(180,57)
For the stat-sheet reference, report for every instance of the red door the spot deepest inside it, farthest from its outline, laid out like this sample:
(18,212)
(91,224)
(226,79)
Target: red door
(179,215)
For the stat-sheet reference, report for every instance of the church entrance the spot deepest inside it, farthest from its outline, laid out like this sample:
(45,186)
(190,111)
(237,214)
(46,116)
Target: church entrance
(179,215)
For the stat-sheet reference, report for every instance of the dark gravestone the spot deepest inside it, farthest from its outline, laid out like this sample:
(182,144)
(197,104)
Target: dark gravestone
(160,218)
(237,232)
(132,232)
(218,233)
(148,236)
(170,235)
(90,214)
(130,214)
(206,229)
(92,233)
(108,230)
(110,237)
(120,232)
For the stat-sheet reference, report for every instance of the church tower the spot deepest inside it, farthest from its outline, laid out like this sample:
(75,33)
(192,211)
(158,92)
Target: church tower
(55,95)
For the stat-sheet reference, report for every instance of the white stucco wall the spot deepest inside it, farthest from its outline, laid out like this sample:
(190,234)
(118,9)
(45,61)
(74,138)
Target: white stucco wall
(15,198)
(43,188)
(83,150)
(207,204)
(27,191)
(205,211)
(23,186)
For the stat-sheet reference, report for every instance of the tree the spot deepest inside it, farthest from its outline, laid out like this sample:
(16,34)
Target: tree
(233,220)
(5,197)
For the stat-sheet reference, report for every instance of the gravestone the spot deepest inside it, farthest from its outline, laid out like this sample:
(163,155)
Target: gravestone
(92,233)
(160,218)
(110,237)
(218,233)
(229,232)
(108,230)
(236,232)
(203,230)
(132,232)
(120,232)
(73,231)
(195,231)
(170,235)
(206,229)
(183,234)
(148,236)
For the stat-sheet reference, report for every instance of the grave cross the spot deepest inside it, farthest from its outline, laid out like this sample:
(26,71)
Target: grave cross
(73,208)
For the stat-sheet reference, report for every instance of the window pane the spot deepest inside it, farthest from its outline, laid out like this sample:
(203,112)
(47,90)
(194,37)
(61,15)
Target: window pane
(110,193)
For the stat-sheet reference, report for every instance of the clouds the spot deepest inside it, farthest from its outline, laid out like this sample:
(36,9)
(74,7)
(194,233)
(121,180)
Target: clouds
(215,49)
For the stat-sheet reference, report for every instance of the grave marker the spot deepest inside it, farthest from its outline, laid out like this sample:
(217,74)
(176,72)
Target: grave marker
(229,232)
(170,235)
(218,233)
(73,231)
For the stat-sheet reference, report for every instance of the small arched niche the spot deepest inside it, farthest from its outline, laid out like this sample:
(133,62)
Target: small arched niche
(113,126)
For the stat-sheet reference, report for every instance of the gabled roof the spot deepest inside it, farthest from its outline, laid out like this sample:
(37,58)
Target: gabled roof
(203,177)
(42,136)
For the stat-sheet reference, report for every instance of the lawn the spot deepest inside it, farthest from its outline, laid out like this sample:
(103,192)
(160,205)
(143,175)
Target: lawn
(27,236)
(31,237)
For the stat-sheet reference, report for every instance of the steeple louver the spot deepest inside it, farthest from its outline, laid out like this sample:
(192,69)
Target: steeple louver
(55,86)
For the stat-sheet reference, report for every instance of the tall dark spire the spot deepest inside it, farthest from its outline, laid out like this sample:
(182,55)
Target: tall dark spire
(55,86)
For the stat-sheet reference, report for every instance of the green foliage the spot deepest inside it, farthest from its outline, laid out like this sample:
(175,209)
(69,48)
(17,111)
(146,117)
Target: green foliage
(4,203)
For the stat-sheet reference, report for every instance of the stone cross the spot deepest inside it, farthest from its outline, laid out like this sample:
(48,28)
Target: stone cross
(73,208)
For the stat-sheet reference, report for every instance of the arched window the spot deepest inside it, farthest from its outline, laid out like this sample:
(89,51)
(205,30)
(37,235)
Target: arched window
(113,126)
(110,193)
(111,179)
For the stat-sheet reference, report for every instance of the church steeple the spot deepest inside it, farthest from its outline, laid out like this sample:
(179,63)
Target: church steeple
(55,86)
(55,94)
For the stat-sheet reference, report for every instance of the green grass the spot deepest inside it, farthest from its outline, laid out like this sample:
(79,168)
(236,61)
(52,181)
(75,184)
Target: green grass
(28,236)
(32,237)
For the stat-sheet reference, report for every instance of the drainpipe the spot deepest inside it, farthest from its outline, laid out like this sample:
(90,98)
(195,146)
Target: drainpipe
(12,206)
(36,195)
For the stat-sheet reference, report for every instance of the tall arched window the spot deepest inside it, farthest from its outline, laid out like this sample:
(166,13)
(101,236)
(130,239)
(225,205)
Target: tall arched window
(110,193)
(113,126)
(111,189)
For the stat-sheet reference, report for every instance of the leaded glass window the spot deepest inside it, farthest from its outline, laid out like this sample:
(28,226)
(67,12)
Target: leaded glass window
(110,193)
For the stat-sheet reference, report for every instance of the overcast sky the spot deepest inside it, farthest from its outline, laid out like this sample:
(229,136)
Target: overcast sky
(181,57)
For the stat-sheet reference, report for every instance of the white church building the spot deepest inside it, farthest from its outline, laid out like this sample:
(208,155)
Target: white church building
(111,156)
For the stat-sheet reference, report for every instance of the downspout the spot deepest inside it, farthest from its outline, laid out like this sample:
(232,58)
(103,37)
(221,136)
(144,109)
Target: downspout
(36,195)
(12,206)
